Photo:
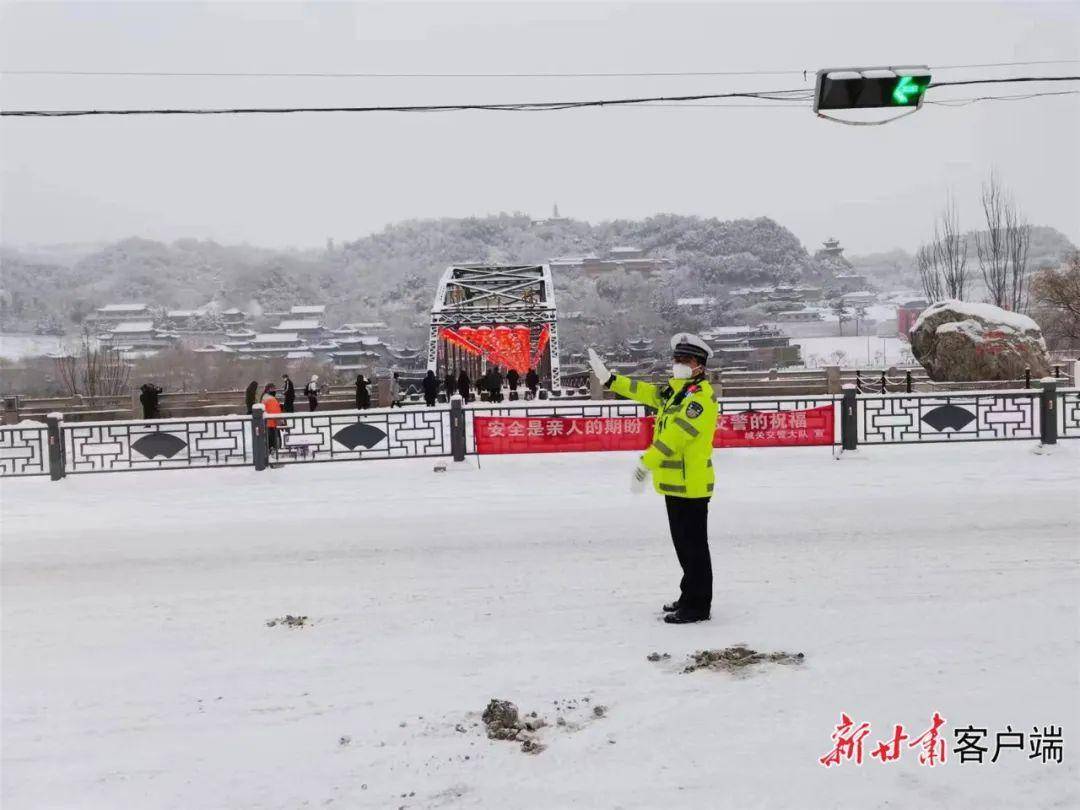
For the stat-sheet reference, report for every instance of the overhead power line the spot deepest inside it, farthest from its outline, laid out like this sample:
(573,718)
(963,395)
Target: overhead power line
(1011,80)
(506,75)
(964,102)
(795,94)
(954,102)
(348,75)
(765,95)
(1008,64)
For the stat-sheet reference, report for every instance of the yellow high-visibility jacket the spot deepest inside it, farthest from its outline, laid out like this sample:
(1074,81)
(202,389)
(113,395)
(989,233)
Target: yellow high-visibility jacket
(680,456)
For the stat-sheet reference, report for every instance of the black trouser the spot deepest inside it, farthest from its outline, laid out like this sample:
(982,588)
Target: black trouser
(290,406)
(689,521)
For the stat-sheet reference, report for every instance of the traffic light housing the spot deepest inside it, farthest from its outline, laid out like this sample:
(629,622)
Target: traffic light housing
(870,88)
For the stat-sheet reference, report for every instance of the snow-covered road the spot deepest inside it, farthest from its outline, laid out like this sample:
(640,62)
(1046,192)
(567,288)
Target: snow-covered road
(139,672)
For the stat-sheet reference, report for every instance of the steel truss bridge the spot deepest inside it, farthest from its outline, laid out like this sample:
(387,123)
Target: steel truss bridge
(502,315)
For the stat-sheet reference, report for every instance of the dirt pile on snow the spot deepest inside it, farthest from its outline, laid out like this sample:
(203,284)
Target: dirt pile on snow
(289,621)
(738,657)
(503,721)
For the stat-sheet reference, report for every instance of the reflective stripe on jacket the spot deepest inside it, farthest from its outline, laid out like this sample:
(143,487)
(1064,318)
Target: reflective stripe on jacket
(680,456)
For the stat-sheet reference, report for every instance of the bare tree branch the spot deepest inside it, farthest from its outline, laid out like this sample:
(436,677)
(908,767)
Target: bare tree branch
(950,250)
(1056,298)
(929,273)
(991,245)
(1017,241)
(94,371)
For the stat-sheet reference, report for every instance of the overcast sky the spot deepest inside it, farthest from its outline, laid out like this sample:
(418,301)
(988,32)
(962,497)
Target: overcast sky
(278,180)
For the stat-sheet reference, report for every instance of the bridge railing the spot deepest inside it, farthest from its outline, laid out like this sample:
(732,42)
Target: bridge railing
(1045,415)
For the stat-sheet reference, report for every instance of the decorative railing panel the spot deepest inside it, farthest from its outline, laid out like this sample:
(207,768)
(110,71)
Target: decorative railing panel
(24,451)
(359,435)
(158,444)
(1068,413)
(898,418)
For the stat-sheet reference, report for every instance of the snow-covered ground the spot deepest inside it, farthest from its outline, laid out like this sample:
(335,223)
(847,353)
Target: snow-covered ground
(139,670)
(869,351)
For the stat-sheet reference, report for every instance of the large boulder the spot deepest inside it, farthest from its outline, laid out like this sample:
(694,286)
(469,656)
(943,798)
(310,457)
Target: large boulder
(957,341)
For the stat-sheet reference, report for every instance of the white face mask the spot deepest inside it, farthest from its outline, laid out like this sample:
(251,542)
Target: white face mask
(681,371)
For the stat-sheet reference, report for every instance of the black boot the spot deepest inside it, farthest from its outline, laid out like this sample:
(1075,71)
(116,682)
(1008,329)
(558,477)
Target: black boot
(685,617)
(671,607)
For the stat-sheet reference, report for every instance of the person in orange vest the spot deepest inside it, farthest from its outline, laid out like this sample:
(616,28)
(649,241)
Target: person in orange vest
(271,406)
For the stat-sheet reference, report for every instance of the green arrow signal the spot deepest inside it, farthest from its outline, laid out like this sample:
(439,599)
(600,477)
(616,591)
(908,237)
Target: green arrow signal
(906,89)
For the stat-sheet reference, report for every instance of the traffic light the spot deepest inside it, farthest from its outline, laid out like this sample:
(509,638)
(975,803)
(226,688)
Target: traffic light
(869,88)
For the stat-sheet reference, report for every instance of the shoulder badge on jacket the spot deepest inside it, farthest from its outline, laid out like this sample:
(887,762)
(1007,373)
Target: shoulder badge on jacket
(694,410)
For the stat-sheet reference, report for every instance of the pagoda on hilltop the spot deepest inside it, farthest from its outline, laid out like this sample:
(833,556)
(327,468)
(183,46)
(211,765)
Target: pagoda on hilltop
(830,249)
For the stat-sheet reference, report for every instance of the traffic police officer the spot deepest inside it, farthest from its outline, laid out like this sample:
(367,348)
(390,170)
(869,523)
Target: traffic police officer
(680,462)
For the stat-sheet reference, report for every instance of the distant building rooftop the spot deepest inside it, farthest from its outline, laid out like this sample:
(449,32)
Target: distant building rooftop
(181,313)
(312,309)
(730,331)
(119,308)
(573,259)
(128,327)
(298,326)
(281,337)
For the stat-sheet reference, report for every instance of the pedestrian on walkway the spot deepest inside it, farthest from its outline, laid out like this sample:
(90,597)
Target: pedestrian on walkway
(288,391)
(251,395)
(149,401)
(395,391)
(311,391)
(271,406)
(431,389)
(363,396)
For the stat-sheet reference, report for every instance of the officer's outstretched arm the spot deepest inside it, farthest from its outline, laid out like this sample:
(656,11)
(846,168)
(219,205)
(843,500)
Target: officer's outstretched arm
(643,392)
(679,431)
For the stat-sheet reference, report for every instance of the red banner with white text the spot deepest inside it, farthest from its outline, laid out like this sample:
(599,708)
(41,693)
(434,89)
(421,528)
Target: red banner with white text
(812,426)
(554,434)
